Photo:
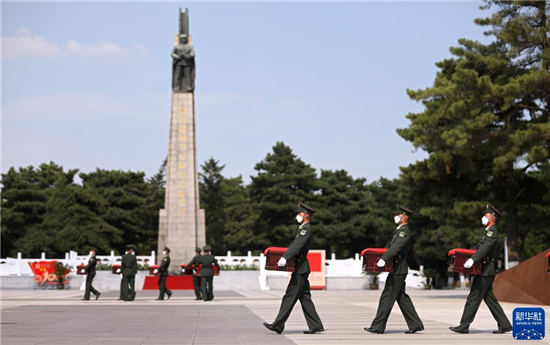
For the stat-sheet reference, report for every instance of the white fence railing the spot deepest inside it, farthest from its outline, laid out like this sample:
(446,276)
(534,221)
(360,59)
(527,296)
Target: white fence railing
(239,260)
(19,266)
(333,267)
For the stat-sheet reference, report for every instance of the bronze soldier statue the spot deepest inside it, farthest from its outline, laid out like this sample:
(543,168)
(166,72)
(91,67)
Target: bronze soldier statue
(183,72)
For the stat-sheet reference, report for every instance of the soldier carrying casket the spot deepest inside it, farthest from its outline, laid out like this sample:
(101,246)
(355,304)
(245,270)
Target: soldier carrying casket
(163,272)
(207,263)
(196,278)
(90,271)
(298,287)
(394,289)
(482,285)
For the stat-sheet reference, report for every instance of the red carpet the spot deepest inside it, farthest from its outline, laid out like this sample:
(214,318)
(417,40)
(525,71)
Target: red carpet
(172,283)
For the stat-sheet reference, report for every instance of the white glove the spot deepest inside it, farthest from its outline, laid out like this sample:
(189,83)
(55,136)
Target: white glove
(82,270)
(155,271)
(121,277)
(469,263)
(282,262)
(381,263)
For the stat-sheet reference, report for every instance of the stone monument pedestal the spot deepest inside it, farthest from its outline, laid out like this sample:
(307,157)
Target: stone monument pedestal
(182,224)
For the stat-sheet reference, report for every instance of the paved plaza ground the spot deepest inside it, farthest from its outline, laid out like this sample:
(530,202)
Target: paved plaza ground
(234,317)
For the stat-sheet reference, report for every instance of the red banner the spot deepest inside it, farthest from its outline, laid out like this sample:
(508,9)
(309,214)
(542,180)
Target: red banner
(317,278)
(44,273)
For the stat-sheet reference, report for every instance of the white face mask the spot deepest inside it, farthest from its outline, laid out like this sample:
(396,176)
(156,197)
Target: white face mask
(299,219)
(485,220)
(91,253)
(165,253)
(396,219)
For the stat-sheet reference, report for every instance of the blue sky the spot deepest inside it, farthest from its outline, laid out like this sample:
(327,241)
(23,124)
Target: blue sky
(87,85)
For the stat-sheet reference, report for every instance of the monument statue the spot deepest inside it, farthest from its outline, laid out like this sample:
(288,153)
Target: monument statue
(183,55)
(181,221)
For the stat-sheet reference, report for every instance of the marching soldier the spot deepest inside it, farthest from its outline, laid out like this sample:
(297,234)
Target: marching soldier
(298,287)
(121,297)
(196,279)
(207,273)
(482,285)
(395,283)
(128,268)
(90,271)
(163,272)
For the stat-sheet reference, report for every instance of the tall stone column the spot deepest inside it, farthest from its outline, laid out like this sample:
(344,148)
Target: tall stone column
(181,225)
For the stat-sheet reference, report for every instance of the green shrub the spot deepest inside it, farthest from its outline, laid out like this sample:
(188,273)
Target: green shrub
(239,267)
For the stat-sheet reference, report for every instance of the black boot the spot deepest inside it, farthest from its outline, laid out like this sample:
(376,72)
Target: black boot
(502,331)
(313,331)
(413,331)
(369,329)
(457,329)
(273,328)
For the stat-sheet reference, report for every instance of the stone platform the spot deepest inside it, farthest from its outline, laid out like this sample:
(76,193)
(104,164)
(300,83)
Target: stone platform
(234,317)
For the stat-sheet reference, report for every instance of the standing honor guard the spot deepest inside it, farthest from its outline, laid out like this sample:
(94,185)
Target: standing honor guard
(90,271)
(121,297)
(128,268)
(482,286)
(207,273)
(196,279)
(298,287)
(163,272)
(395,283)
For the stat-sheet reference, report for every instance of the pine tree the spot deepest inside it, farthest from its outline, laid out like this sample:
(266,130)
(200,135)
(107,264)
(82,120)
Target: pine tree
(73,220)
(212,201)
(486,120)
(342,224)
(240,218)
(25,194)
(283,179)
(124,196)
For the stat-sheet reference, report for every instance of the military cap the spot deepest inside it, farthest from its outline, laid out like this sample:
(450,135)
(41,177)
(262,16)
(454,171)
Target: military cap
(130,246)
(93,249)
(305,208)
(167,249)
(198,249)
(493,210)
(403,210)
(207,248)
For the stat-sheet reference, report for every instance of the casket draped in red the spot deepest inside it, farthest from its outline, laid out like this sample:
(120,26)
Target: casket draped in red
(273,254)
(457,259)
(115,269)
(370,258)
(81,269)
(152,269)
(461,251)
(188,271)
